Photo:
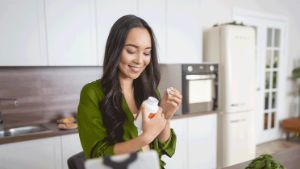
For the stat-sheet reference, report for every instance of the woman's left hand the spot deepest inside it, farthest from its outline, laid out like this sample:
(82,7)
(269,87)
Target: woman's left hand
(171,102)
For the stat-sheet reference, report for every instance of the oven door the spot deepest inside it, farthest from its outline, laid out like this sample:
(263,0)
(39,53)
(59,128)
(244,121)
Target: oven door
(200,93)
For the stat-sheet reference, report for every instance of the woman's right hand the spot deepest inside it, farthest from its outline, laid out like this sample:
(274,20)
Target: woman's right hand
(152,127)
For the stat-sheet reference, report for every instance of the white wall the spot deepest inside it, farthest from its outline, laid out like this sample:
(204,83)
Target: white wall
(220,11)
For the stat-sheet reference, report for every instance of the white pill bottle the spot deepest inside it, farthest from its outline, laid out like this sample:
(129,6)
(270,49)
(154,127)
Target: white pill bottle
(150,107)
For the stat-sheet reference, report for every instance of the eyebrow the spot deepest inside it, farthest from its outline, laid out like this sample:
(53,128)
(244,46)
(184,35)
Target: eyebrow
(135,46)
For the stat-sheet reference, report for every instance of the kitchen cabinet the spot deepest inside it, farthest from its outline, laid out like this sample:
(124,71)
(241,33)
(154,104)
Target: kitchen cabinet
(202,142)
(74,32)
(153,12)
(47,153)
(34,154)
(180,159)
(184,33)
(177,28)
(70,145)
(107,14)
(196,143)
(71,32)
(22,30)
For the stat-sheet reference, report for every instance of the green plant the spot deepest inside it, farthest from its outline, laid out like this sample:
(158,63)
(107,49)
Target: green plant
(296,73)
(265,161)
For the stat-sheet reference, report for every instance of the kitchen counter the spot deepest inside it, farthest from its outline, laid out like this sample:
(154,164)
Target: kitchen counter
(54,131)
(189,115)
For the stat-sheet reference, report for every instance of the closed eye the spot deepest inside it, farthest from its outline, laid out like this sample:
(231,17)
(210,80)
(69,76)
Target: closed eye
(130,51)
(147,54)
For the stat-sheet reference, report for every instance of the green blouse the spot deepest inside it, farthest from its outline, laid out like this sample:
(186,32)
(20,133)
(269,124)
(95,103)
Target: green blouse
(92,131)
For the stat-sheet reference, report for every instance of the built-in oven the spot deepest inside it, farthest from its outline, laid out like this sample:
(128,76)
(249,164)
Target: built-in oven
(199,88)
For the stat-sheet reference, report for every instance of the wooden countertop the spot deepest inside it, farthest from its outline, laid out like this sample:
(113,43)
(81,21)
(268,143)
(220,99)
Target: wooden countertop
(54,131)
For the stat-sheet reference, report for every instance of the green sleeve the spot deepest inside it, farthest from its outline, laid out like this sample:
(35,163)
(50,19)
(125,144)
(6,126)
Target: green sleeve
(166,148)
(91,129)
(158,94)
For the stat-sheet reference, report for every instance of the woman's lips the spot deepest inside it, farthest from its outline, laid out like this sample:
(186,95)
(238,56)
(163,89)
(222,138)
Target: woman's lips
(135,69)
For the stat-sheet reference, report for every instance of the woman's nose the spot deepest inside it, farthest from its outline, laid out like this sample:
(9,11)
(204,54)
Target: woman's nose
(139,58)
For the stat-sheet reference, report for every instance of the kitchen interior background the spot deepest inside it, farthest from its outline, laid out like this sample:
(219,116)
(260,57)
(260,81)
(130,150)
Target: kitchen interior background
(35,86)
(46,93)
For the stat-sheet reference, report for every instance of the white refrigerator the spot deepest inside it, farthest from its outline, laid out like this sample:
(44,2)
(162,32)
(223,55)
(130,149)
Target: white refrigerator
(233,47)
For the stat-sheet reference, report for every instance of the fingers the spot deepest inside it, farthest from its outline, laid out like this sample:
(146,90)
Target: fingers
(175,100)
(158,122)
(174,92)
(175,96)
(159,110)
(174,104)
(160,114)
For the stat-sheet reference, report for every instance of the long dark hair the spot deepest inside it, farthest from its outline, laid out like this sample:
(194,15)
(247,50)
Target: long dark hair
(144,86)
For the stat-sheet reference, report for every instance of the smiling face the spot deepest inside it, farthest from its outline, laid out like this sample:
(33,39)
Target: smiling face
(136,53)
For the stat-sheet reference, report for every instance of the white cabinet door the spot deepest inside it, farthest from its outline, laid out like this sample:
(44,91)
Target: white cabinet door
(184,33)
(35,154)
(153,12)
(70,145)
(22,30)
(107,14)
(202,142)
(180,158)
(71,32)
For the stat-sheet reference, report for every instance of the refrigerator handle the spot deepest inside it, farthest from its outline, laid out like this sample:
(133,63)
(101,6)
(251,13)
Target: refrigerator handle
(238,120)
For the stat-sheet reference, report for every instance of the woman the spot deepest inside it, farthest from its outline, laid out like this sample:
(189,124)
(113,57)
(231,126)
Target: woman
(109,106)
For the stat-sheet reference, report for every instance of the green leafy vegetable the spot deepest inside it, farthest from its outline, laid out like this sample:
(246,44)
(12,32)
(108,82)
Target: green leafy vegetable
(265,161)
